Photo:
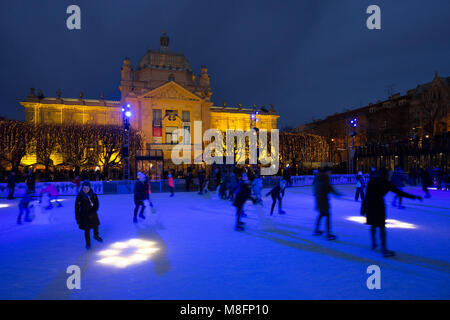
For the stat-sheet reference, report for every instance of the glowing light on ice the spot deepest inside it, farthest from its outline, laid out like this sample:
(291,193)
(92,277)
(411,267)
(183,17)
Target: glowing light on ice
(4,205)
(144,249)
(390,223)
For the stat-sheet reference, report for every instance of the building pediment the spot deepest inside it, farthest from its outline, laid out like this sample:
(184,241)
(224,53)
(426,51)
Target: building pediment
(171,91)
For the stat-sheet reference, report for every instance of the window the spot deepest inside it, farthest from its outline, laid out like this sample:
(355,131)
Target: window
(187,139)
(157,115)
(156,120)
(186,116)
(171,135)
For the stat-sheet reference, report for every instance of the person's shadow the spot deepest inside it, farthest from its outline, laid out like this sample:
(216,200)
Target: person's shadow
(149,232)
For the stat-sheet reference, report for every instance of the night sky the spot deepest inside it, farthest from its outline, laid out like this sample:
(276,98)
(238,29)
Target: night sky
(309,58)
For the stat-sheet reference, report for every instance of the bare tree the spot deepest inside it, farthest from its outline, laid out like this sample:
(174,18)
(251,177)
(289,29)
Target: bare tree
(15,142)
(46,142)
(433,109)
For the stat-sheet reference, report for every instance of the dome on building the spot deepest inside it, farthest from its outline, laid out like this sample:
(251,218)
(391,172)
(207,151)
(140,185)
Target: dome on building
(164,58)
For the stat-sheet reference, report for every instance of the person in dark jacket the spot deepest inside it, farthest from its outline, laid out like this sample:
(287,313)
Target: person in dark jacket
(242,195)
(201,180)
(86,206)
(426,181)
(275,193)
(11,181)
(31,181)
(398,176)
(322,188)
(23,207)
(360,186)
(141,193)
(373,207)
(188,179)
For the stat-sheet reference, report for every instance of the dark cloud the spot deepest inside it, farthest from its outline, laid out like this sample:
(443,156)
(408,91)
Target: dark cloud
(308,58)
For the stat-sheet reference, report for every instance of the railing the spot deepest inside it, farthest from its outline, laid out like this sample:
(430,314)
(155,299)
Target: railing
(127,187)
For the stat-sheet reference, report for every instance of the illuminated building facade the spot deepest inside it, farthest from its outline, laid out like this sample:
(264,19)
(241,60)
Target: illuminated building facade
(165,95)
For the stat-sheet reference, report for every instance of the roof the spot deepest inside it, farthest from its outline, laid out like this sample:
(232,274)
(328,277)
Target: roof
(72,101)
(164,60)
(242,110)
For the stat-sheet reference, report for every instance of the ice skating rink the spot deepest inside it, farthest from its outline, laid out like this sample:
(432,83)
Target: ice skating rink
(188,249)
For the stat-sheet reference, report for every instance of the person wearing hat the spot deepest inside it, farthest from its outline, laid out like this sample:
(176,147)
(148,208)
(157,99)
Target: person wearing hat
(86,206)
(141,193)
(242,195)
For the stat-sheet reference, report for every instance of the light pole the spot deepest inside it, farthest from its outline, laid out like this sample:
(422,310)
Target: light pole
(352,124)
(126,114)
(253,121)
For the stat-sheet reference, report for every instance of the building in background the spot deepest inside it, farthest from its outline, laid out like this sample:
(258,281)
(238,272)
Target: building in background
(409,130)
(164,93)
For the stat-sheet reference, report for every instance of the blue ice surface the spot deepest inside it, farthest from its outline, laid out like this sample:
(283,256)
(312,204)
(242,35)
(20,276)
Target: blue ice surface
(200,255)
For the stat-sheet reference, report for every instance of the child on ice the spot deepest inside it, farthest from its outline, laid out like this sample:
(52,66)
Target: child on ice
(23,207)
(53,195)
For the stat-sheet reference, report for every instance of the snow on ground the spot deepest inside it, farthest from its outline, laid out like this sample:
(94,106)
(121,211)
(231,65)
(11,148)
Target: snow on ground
(200,256)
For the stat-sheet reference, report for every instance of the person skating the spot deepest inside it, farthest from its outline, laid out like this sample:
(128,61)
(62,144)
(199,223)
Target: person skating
(360,185)
(322,188)
(171,185)
(201,180)
(141,193)
(31,181)
(188,179)
(52,193)
(86,206)
(374,209)
(11,181)
(275,193)
(242,195)
(257,187)
(283,185)
(397,180)
(23,207)
(426,181)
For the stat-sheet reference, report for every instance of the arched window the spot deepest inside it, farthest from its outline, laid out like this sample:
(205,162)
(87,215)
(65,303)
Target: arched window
(171,77)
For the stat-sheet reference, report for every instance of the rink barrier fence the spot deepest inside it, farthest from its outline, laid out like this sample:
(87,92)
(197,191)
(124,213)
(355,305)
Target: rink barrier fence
(68,188)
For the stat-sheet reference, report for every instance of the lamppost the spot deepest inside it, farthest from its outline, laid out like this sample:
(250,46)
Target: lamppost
(253,121)
(126,114)
(352,124)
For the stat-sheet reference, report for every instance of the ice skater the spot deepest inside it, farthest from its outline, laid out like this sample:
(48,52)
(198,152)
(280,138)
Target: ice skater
(242,195)
(426,181)
(24,207)
(141,193)
(11,181)
(275,193)
(397,180)
(201,180)
(283,185)
(86,206)
(31,181)
(171,185)
(374,209)
(257,186)
(360,186)
(52,194)
(322,188)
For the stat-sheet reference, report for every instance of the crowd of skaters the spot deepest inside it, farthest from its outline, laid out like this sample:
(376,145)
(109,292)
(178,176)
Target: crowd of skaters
(239,185)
